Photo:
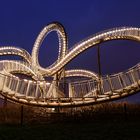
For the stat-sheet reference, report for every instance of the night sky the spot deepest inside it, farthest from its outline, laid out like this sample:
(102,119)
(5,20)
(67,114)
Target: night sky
(21,22)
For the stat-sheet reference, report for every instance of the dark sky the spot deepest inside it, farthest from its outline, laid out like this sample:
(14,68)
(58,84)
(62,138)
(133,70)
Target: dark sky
(22,20)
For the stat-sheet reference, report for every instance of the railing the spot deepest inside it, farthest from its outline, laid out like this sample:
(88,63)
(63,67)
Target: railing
(15,66)
(22,88)
(110,84)
(120,31)
(10,50)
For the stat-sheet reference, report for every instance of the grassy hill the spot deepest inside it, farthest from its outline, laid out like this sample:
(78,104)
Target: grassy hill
(105,121)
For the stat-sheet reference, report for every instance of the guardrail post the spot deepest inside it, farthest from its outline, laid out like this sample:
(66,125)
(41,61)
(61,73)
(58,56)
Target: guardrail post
(5,102)
(21,115)
(5,109)
(125,111)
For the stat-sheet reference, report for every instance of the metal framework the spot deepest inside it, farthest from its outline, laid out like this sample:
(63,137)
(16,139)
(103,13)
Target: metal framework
(40,92)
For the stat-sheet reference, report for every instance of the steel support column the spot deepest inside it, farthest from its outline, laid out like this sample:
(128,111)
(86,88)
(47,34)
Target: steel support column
(99,68)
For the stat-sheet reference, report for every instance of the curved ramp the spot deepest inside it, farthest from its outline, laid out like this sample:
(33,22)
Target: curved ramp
(40,92)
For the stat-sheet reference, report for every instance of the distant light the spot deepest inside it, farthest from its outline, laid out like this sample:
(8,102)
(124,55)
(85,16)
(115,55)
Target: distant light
(48,83)
(53,109)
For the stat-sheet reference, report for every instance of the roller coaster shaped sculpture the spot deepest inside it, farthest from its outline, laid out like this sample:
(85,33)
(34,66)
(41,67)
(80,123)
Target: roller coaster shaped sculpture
(39,92)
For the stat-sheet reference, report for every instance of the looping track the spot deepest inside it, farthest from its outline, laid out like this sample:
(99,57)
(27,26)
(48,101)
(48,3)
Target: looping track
(39,92)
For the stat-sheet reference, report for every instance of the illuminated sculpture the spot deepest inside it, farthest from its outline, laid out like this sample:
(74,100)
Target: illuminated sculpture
(37,91)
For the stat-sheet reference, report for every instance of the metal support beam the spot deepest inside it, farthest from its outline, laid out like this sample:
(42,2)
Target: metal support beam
(64,81)
(99,61)
(99,68)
